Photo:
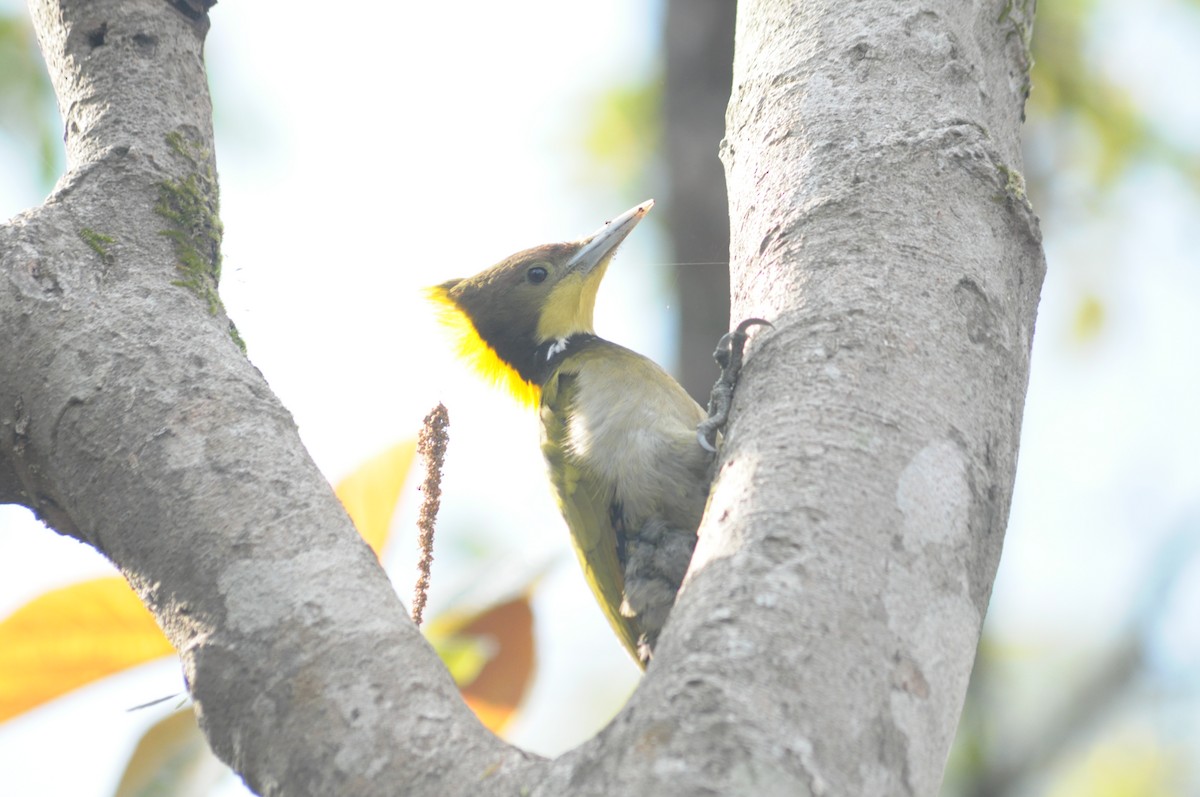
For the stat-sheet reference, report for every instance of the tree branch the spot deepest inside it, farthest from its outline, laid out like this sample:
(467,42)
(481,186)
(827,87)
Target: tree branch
(824,637)
(130,419)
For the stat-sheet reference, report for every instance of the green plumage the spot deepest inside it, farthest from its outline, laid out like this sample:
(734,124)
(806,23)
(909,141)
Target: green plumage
(619,437)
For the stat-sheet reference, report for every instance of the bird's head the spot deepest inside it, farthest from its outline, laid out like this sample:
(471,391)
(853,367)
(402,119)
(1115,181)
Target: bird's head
(507,316)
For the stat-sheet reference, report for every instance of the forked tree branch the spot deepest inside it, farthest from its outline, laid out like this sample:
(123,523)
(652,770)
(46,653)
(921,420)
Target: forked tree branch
(824,636)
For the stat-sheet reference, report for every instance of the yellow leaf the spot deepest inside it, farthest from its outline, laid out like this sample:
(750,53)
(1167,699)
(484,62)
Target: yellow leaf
(1130,764)
(370,493)
(464,657)
(70,637)
(172,757)
(490,655)
(1089,319)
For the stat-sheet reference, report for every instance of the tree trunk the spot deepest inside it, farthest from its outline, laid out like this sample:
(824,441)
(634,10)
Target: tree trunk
(823,640)
(698,40)
(879,220)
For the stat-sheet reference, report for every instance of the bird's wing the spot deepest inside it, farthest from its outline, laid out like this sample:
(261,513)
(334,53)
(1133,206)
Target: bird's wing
(587,505)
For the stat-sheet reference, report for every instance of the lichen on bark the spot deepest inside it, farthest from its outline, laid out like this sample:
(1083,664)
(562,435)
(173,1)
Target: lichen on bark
(192,206)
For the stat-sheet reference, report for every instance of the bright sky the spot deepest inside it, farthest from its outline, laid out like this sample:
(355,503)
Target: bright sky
(363,156)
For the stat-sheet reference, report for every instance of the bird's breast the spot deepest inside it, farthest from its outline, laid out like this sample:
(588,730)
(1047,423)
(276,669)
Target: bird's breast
(630,425)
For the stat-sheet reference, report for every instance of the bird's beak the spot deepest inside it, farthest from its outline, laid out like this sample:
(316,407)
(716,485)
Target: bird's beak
(599,246)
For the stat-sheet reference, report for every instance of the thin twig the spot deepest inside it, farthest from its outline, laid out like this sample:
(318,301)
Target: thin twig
(431,445)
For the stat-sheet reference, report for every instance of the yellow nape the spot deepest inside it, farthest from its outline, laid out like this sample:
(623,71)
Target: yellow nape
(481,357)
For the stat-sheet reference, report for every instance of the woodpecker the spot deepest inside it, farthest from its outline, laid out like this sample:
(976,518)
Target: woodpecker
(628,466)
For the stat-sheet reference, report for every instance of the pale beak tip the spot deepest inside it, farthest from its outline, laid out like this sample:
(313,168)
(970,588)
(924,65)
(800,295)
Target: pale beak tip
(634,213)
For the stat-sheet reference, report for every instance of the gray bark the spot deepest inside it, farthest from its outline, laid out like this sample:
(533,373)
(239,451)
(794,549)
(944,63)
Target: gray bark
(823,640)
(131,420)
(878,218)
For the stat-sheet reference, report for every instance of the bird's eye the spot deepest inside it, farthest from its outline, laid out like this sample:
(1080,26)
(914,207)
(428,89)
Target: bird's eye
(537,274)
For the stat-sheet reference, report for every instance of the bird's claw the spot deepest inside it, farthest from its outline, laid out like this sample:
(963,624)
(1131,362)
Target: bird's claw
(729,356)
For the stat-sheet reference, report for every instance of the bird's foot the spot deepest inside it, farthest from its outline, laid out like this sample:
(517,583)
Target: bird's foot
(729,356)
